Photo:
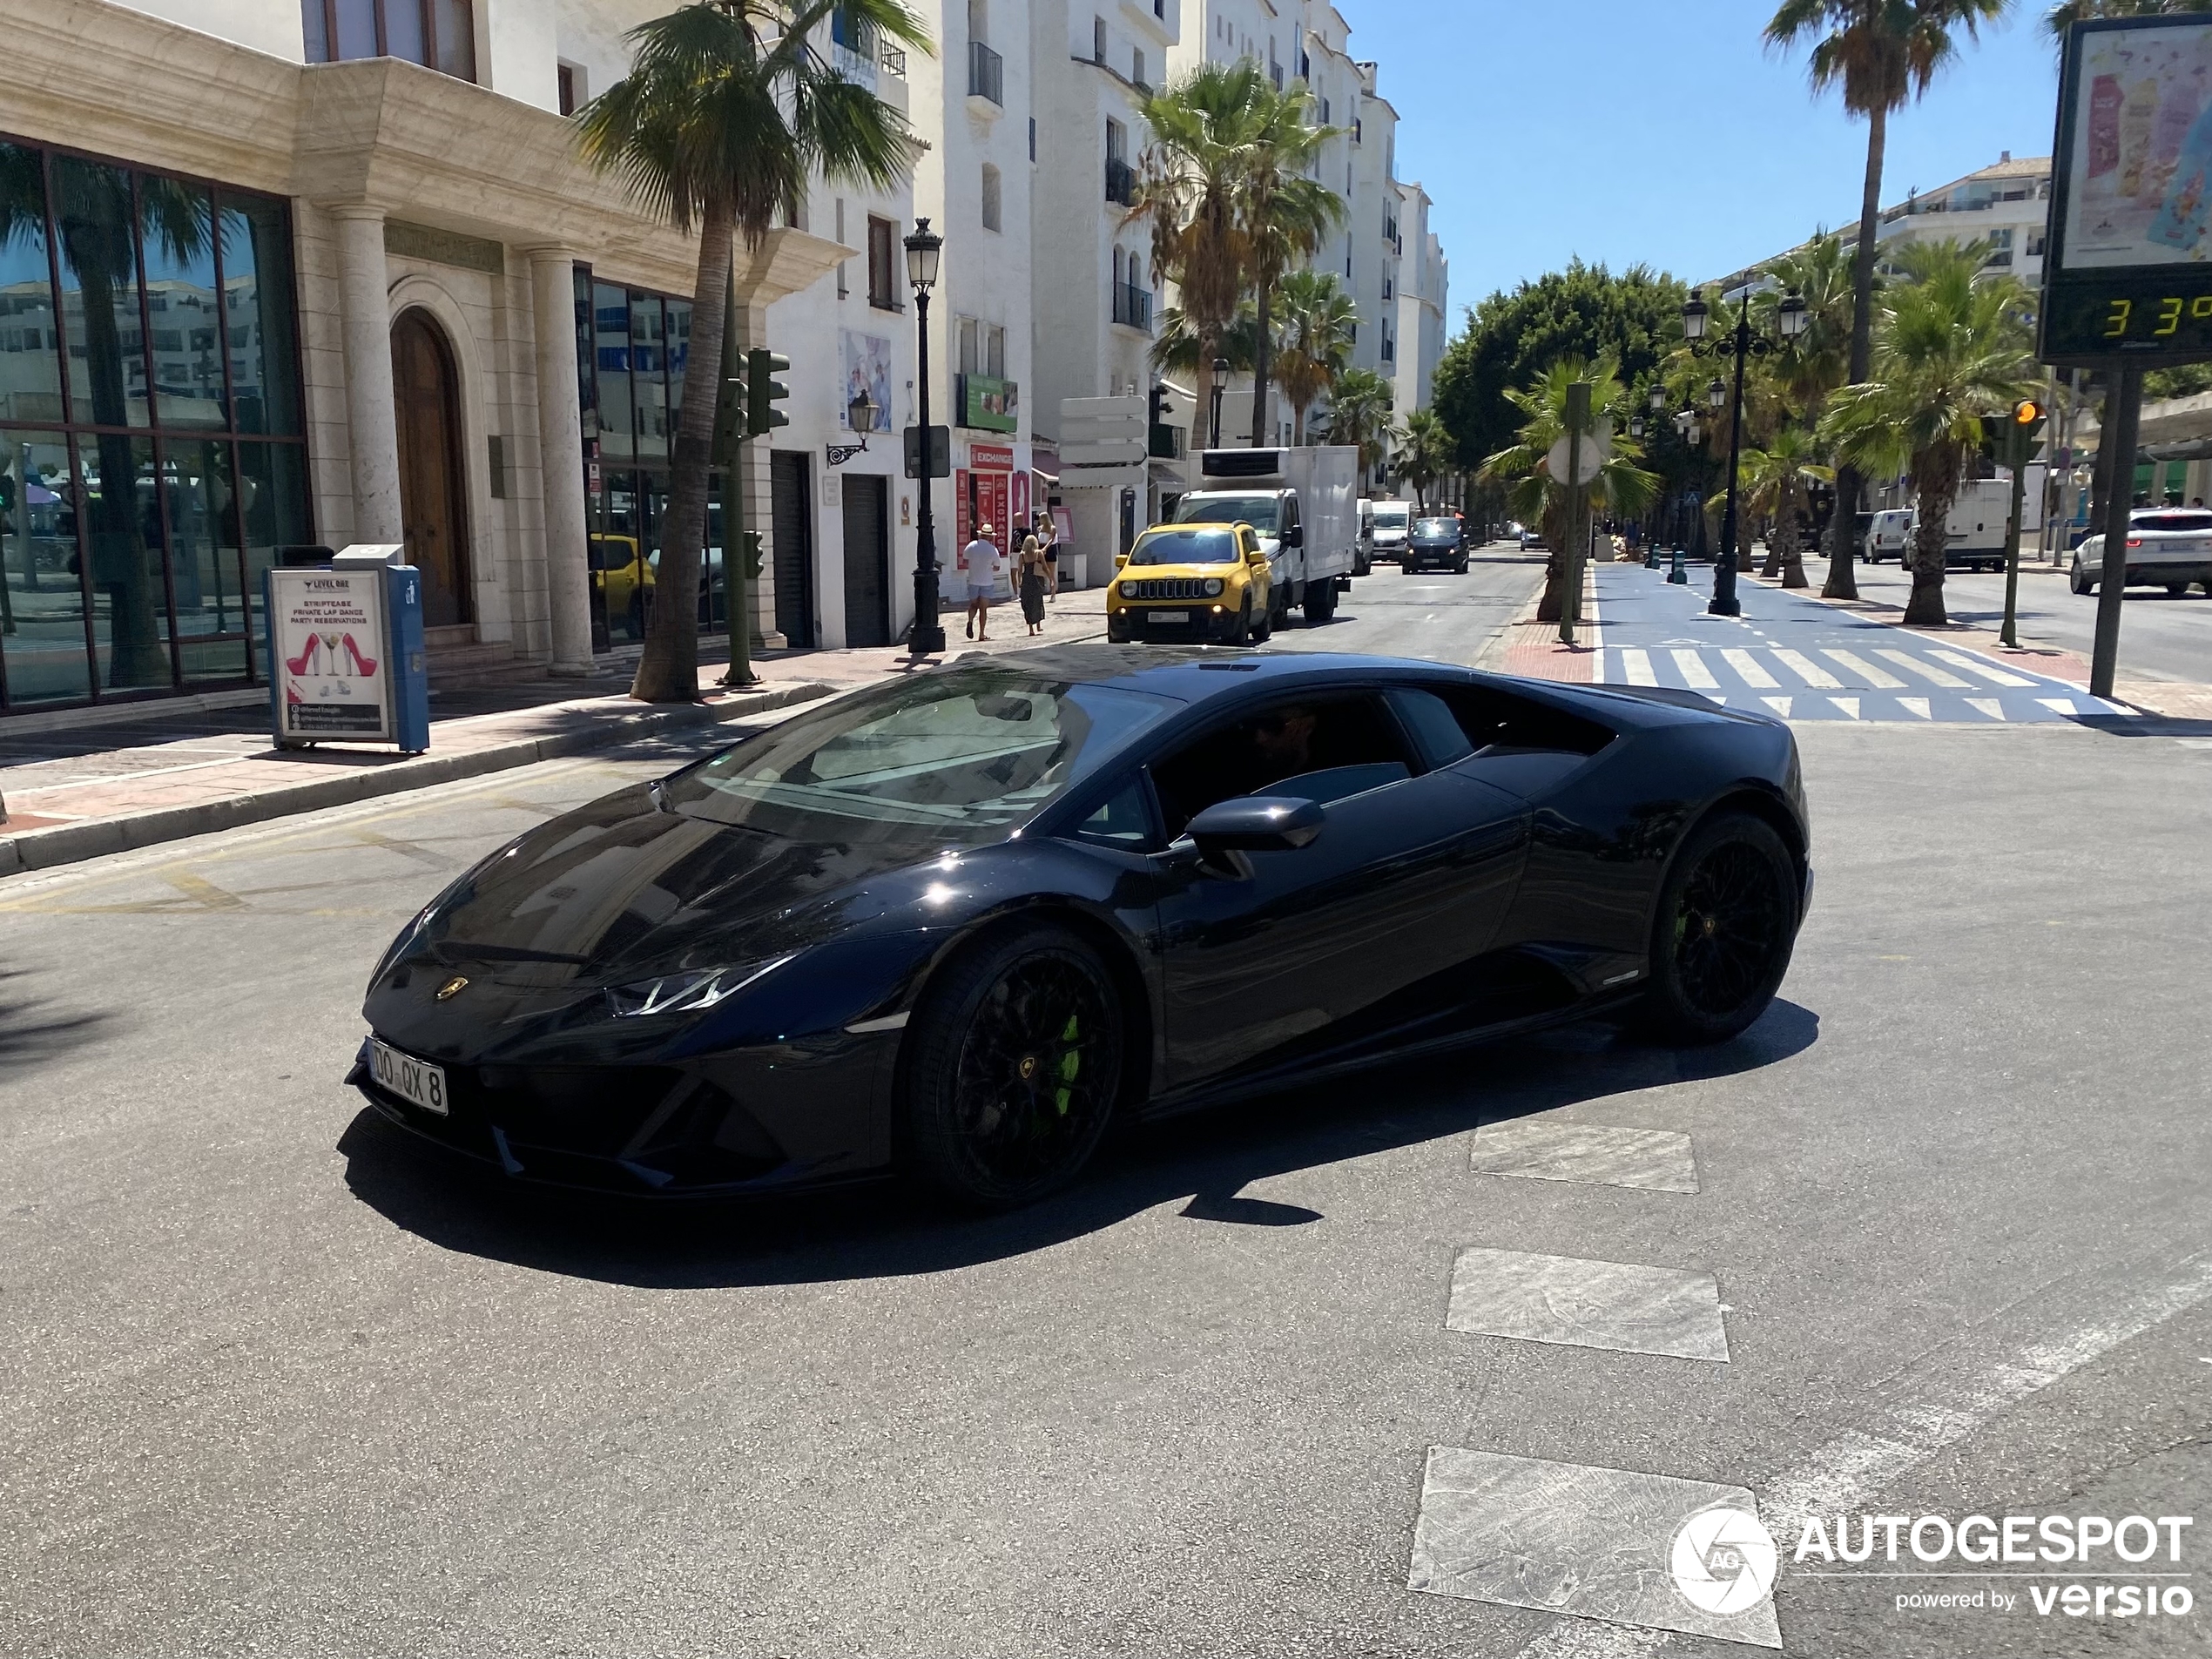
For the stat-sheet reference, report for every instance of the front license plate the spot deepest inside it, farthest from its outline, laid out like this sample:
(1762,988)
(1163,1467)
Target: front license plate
(1170,616)
(416,1081)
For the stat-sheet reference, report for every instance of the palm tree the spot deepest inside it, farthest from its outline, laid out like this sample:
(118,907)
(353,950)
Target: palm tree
(728,107)
(1817,362)
(1881,53)
(1287,215)
(1359,405)
(1177,349)
(1772,482)
(1534,496)
(1424,451)
(1314,339)
(1190,185)
(1953,348)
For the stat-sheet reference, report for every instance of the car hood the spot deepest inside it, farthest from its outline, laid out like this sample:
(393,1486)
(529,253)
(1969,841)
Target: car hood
(1179,572)
(623,889)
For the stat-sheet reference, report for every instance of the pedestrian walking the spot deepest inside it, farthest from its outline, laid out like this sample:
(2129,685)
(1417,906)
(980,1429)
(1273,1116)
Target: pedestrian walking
(1049,533)
(1031,579)
(983,557)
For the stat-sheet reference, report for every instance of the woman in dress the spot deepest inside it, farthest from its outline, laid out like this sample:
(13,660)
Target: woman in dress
(1031,579)
(1049,532)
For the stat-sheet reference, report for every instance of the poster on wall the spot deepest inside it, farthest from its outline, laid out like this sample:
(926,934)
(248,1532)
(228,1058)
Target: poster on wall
(330,634)
(868,368)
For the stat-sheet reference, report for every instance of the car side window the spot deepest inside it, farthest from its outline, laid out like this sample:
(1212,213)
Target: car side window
(1320,748)
(1498,723)
(1436,731)
(1123,819)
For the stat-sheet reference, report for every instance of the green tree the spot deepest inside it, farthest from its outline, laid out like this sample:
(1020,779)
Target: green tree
(1360,416)
(1177,349)
(1512,340)
(1881,53)
(1523,471)
(1287,215)
(1818,361)
(1772,482)
(1423,452)
(1190,189)
(1953,347)
(1313,340)
(728,107)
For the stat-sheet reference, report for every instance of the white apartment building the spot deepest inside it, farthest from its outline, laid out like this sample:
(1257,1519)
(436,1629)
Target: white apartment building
(1424,290)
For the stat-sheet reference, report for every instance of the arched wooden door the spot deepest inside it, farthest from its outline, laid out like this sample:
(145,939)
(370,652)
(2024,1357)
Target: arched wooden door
(434,496)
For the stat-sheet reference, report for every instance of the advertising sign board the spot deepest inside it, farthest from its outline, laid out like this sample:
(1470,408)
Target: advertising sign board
(329,632)
(2126,273)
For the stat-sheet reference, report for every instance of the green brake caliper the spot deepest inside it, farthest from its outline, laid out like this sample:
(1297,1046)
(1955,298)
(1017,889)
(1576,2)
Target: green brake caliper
(1071,1065)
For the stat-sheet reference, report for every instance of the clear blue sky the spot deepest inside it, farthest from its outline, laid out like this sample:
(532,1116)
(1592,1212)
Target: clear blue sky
(1661,130)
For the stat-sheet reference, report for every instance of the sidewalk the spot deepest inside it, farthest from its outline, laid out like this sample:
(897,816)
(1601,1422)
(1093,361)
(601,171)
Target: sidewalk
(75,792)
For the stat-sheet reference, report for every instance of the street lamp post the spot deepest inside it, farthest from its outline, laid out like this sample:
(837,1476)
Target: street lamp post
(1741,344)
(1220,384)
(927,638)
(1658,401)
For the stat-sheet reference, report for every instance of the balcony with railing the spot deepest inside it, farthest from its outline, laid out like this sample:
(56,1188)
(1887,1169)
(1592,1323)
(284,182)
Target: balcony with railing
(986,74)
(1121,181)
(1133,305)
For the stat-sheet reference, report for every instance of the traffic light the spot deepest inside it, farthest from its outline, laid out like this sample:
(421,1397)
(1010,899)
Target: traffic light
(729,422)
(2024,427)
(764,392)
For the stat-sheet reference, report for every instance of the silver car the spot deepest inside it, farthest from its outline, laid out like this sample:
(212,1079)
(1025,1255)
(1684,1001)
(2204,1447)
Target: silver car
(2167,547)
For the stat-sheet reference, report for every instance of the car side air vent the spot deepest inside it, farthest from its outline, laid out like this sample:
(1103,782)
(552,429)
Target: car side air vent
(1241,463)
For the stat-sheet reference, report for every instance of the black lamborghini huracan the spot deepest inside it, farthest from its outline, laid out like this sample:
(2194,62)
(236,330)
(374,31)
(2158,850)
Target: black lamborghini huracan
(954,925)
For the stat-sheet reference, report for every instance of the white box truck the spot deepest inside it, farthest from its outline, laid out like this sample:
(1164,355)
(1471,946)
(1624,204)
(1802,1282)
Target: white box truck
(1304,503)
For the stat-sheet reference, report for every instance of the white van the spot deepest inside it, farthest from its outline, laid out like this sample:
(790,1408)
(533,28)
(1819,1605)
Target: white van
(1890,536)
(1393,519)
(1362,555)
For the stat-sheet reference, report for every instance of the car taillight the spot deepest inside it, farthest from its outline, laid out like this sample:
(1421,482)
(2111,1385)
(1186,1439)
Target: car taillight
(2134,541)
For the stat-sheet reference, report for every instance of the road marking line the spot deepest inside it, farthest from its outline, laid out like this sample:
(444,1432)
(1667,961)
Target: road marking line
(1880,679)
(1988,705)
(1848,705)
(1806,670)
(1620,1306)
(1779,704)
(1635,667)
(1571,1538)
(2057,705)
(1695,674)
(1587,1154)
(1936,676)
(1915,706)
(1747,666)
(1959,659)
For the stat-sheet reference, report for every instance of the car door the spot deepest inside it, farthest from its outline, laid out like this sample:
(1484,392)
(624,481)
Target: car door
(1268,954)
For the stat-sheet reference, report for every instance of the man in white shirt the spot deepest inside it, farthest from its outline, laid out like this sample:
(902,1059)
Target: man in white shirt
(981,556)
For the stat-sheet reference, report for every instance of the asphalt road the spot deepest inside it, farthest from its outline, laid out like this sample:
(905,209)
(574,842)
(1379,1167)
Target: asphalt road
(1432,614)
(2161,637)
(278,1382)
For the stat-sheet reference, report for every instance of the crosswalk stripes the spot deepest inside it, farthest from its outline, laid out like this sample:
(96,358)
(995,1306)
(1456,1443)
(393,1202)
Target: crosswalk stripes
(1694,672)
(1806,670)
(1635,668)
(1989,705)
(1913,665)
(1779,704)
(2057,705)
(1880,679)
(1848,705)
(1747,666)
(1920,705)
(2001,677)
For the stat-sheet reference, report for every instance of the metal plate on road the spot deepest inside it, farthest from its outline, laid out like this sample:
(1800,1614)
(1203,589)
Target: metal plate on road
(416,1081)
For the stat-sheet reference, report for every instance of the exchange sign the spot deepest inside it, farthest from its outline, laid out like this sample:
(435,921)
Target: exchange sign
(2125,273)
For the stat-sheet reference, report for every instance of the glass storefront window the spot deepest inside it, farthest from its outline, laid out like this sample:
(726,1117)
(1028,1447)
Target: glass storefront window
(31,381)
(41,601)
(649,375)
(182,313)
(122,536)
(610,351)
(257,309)
(200,503)
(134,520)
(96,211)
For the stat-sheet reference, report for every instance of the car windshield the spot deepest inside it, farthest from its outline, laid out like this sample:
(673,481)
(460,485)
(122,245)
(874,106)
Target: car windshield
(1390,518)
(1436,527)
(1200,544)
(950,759)
(2173,521)
(1258,511)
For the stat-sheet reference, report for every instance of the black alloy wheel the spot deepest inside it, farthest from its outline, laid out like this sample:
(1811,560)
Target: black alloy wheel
(1012,1068)
(1726,919)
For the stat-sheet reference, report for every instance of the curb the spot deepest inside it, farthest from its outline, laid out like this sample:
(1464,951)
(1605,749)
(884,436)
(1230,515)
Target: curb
(42,849)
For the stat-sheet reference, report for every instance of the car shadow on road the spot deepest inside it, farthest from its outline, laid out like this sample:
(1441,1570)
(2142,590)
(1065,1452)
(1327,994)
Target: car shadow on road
(1200,1164)
(32,1033)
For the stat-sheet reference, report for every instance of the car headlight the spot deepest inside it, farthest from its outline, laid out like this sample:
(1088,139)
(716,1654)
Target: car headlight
(1128,590)
(1213,586)
(690,991)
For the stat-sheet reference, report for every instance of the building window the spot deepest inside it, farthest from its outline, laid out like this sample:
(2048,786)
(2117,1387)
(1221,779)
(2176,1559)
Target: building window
(569,86)
(1136,71)
(994,351)
(148,474)
(991,204)
(1098,42)
(1033,138)
(883,264)
(438,34)
(970,342)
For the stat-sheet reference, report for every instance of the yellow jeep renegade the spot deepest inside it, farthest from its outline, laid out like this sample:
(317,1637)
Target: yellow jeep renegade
(1192,582)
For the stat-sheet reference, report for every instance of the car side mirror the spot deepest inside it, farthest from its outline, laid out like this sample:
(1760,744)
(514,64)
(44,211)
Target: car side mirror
(1255,556)
(1256,823)
(1121,560)
(1294,537)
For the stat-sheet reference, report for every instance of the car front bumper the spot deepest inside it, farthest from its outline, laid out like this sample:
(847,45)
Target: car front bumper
(1202,621)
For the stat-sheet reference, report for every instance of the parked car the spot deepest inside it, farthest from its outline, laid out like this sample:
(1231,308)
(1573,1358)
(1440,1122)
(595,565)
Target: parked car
(2167,547)
(1532,539)
(1441,543)
(1889,535)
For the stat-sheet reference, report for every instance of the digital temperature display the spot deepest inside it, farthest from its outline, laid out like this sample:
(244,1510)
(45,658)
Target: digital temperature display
(2135,321)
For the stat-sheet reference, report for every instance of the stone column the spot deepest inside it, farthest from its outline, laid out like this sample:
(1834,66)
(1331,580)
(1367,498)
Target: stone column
(560,444)
(372,418)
